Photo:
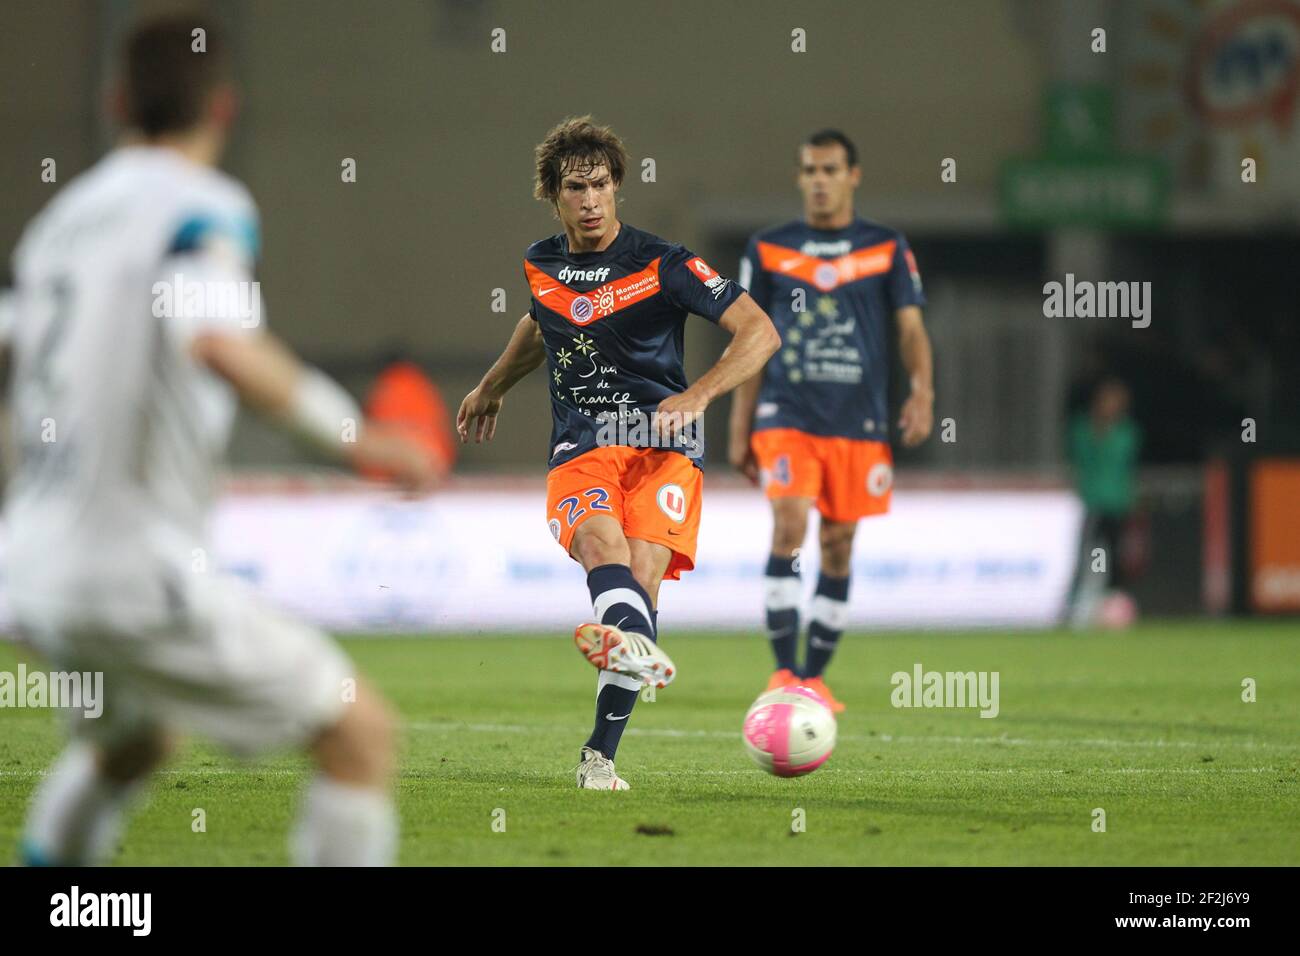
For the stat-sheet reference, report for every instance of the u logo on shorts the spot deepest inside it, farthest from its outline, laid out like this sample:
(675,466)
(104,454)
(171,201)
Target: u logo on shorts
(879,478)
(672,502)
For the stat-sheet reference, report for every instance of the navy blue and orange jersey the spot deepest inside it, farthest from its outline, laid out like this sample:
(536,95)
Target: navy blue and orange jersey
(613,327)
(831,294)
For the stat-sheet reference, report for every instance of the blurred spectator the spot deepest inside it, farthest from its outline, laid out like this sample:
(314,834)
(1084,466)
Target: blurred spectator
(1103,448)
(405,397)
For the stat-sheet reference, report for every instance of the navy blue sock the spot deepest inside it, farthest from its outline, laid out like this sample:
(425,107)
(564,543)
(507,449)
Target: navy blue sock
(619,600)
(830,609)
(782,591)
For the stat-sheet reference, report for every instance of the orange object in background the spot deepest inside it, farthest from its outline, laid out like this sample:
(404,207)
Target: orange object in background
(404,397)
(1275,534)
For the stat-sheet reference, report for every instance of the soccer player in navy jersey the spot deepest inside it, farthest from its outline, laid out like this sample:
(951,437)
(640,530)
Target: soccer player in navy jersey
(609,305)
(813,427)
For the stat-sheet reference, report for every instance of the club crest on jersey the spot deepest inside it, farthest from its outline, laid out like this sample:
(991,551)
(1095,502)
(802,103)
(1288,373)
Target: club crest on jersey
(582,311)
(554,525)
(826,276)
(879,478)
(672,502)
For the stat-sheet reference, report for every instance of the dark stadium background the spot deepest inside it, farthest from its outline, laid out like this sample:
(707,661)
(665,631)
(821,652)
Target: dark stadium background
(406,259)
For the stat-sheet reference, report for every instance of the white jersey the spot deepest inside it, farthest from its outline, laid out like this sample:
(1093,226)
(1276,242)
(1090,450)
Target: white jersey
(119,433)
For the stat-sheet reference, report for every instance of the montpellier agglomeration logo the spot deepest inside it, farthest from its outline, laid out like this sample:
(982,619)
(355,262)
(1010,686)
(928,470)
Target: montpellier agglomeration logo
(69,690)
(234,303)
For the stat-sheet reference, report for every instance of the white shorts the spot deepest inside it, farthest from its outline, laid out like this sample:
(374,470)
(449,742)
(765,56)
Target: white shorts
(225,666)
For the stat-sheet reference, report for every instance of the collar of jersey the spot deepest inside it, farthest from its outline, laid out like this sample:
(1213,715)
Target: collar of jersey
(610,250)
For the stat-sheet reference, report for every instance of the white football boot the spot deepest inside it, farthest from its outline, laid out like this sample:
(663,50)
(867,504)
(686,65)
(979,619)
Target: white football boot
(596,772)
(625,652)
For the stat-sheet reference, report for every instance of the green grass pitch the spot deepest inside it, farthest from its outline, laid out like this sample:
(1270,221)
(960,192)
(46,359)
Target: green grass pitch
(1148,725)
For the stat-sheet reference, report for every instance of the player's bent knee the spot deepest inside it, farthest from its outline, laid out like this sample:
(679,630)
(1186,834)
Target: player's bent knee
(789,524)
(837,548)
(788,534)
(359,747)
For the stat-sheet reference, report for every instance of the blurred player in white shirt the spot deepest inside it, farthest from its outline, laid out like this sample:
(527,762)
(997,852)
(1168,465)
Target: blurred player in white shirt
(126,367)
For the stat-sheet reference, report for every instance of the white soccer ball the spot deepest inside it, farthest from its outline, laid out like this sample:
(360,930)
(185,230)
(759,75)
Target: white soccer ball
(789,732)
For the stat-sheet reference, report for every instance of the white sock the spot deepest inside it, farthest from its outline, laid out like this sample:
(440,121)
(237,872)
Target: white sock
(342,824)
(76,816)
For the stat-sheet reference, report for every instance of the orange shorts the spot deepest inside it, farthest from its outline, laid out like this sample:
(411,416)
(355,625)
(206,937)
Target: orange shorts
(849,478)
(654,494)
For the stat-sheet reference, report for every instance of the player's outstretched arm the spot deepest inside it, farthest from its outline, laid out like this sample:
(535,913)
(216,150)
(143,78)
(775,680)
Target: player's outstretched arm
(478,412)
(754,339)
(271,380)
(917,416)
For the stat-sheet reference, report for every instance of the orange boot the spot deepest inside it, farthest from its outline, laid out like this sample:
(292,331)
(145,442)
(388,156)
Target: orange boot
(782,678)
(819,685)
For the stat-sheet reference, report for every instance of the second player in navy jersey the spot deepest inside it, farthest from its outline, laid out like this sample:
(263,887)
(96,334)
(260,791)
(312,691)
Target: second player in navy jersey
(831,294)
(814,427)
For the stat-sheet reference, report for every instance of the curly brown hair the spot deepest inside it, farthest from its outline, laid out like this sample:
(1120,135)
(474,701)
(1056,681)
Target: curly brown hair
(576,143)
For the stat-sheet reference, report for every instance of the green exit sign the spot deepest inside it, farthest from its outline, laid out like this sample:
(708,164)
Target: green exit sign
(1080,121)
(1112,192)
(1079,179)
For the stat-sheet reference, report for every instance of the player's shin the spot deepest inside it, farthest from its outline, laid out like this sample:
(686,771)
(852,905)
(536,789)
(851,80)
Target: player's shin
(618,600)
(830,610)
(615,697)
(782,590)
(76,816)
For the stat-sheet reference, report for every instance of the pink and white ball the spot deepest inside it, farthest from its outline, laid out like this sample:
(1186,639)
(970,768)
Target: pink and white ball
(789,732)
(1117,612)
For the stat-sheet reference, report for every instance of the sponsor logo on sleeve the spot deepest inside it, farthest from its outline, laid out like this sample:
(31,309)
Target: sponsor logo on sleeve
(913,271)
(712,281)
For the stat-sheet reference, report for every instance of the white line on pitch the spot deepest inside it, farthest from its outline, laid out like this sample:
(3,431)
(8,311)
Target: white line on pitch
(884,771)
(857,738)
